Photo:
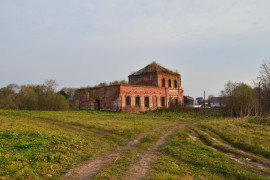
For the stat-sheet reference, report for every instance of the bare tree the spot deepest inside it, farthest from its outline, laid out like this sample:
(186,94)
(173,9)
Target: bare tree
(264,79)
(50,85)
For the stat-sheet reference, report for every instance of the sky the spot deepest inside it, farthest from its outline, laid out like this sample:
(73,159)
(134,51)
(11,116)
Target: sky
(85,42)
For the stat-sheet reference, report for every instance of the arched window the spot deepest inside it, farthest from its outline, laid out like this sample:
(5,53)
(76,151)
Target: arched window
(163,82)
(128,100)
(175,83)
(169,83)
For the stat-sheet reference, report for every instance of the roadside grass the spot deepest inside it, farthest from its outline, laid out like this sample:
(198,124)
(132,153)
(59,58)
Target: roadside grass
(241,133)
(183,157)
(46,144)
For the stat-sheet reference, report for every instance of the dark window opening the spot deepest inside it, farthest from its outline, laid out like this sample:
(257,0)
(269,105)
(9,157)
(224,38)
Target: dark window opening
(175,84)
(128,100)
(146,101)
(162,101)
(138,102)
(163,82)
(176,101)
(97,105)
(170,83)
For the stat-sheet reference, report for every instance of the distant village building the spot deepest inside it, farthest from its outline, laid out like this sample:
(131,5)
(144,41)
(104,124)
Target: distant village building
(148,89)
(217,102)
(199,100)
(188,100)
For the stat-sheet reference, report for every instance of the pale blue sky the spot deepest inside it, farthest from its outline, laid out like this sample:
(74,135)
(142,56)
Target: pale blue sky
(84,42)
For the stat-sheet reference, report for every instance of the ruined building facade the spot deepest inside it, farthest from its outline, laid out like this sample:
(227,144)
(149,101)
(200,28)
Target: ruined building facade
(148,89)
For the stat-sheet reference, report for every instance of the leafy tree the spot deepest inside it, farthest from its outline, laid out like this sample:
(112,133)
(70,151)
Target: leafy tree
(33,97)
(102,84)
(28,98)
(118,82)
(242,99)
(71,95)
(9,97)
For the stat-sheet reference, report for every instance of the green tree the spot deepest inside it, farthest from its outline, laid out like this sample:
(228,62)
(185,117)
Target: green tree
(71,95)
(242,99)
(8,97)
(28,98)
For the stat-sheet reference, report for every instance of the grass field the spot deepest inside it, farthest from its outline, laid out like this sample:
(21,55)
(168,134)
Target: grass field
(45,145)
(242,133)
(40,144)
(183,157)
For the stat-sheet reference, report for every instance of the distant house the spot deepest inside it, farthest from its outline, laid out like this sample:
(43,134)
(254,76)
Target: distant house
(200,100)
(188,100)
(217,102)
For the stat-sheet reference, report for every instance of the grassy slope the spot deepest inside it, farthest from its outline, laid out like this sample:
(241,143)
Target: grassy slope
(250,137)
(183,157)
(38,144)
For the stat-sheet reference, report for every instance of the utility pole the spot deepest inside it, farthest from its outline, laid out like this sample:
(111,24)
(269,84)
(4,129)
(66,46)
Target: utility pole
(204,102)
(259,98)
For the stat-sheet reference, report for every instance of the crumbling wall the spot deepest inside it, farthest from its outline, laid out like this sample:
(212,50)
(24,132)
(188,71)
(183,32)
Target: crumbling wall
(83,99)
(108,98)
(153,93)
(146,79)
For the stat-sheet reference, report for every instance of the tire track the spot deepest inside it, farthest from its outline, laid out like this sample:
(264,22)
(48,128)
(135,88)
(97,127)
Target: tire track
(140,169)
(236,154)
(92,167)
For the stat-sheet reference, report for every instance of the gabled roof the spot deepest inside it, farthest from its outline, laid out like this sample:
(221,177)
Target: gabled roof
(153,67)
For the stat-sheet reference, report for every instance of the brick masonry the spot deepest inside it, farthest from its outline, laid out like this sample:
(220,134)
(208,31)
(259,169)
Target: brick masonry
(144,92)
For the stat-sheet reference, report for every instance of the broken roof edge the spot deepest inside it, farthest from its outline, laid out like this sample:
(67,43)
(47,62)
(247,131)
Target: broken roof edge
(154,67)
(120,85)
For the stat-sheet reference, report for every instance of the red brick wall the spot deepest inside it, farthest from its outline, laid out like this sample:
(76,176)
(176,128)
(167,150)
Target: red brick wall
(154,94)
(147,79)
(83,99)
(109,98)
(172,92)
(172,77)
(147,85)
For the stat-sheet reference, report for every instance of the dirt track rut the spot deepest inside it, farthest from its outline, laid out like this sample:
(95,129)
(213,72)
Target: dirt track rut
(141,168)
(92,167)
(238,155)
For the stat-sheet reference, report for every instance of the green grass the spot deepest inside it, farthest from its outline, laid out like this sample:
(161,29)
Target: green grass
(39,144)
(46,144)
(120,165)
(243,134)
(183,157)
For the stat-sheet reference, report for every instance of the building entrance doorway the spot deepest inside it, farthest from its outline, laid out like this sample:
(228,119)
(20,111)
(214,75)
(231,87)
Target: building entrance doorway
(97,105)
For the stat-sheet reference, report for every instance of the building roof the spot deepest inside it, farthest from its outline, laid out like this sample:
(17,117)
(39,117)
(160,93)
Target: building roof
(218,100)
(153,67)
(188,98)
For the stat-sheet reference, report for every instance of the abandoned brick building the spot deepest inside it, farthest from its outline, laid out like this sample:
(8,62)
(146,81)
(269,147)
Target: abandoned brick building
(148,89)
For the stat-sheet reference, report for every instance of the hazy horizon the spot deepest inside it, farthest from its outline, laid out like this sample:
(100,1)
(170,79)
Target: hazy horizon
(82,42)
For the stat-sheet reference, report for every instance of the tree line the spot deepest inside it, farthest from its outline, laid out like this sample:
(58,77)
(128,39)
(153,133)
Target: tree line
(244,100)
(42,97)
(37,97)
